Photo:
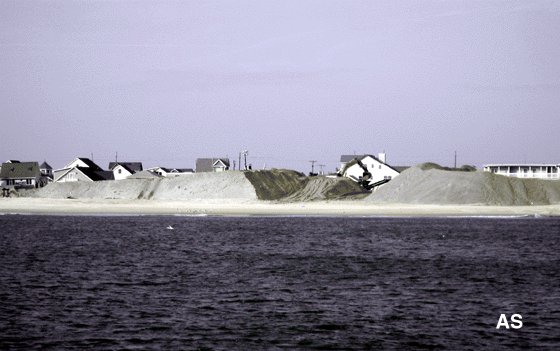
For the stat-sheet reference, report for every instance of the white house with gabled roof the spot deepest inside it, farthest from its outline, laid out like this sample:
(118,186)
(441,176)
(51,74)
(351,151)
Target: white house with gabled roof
(82,169)
(122,170)
(376,166)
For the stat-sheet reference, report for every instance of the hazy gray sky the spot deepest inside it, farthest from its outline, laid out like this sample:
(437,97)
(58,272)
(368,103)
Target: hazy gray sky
(166,82)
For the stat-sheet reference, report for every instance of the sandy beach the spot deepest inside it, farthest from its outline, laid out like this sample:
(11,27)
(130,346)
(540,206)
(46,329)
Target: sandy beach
(242,207)
(421,190)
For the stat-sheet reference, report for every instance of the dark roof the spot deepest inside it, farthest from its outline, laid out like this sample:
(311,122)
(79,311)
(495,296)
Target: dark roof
(20,170)
(96,175)
(125,167)
(45,165)
(224,160)
(180,170)
(90,164)
(204,164)
(348,158)
(361,157)
(131,166)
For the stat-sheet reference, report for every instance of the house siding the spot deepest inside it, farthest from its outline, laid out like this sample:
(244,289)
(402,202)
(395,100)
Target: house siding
(21,174)
(120,172)
(379,171)
(74,175)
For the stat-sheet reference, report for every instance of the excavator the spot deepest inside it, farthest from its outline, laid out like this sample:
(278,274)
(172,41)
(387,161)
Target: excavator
(364,179)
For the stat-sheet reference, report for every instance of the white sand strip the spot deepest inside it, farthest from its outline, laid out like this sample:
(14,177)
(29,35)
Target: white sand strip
(241,207)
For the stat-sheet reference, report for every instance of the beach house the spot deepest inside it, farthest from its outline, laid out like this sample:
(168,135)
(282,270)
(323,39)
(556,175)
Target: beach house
(46,170)
(15,174)
(540,171)
(82,169)
(170,172)
(376,166)
(212,164)
(122,170)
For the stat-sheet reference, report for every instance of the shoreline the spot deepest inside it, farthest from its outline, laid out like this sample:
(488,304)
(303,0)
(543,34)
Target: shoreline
(244,207)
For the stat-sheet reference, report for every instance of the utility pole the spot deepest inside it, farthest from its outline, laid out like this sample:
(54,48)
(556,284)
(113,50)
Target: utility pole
(116,156)
(321,168)
(240,161)
(455,159)
(234,165)
(312,166)
(245,153)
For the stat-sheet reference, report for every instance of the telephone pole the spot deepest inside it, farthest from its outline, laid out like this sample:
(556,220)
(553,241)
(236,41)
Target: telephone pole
(245,153)
(321,169)
(312,166)
(455,159)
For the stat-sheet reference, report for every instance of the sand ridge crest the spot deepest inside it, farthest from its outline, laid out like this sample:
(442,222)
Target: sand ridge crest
(428,183)
(274,185)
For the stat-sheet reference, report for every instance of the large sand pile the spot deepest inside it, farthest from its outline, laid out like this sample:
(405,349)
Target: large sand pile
(282,185)
(287,185)
(428,183)
(224,185)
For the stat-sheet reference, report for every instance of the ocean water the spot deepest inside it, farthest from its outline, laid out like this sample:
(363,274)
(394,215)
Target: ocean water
(278,283)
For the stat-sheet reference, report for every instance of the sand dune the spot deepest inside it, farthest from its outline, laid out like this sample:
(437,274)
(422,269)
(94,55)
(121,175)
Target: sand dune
(281,185)
(423,190)
(428,184)
(225,185)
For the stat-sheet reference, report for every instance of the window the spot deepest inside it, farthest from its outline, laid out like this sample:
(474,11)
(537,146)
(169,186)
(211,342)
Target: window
(387,177)
(120,171)
(379,166)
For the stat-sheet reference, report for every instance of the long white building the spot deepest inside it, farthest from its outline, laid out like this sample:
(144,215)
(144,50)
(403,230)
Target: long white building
(542,171)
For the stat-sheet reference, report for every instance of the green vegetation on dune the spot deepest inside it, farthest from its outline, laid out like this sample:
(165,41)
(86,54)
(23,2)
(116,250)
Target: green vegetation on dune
(287,185)
(275,184)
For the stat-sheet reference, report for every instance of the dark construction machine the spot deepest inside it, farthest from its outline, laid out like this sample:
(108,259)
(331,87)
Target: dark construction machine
(364,179)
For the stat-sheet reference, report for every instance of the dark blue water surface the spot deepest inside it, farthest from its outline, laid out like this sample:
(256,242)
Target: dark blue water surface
(272,283)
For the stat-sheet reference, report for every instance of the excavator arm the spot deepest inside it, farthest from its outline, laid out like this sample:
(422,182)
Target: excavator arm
(365,177)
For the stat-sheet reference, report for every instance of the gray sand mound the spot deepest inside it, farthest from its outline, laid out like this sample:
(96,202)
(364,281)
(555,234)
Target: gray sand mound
(291,186)
(223,185)
(428,183)
(282,185)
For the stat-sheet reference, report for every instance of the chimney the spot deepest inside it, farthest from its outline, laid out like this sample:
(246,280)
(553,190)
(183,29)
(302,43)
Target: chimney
(383,157)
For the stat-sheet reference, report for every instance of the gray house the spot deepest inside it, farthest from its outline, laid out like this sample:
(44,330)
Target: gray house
(46,170)
(15,174)
(212,164)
